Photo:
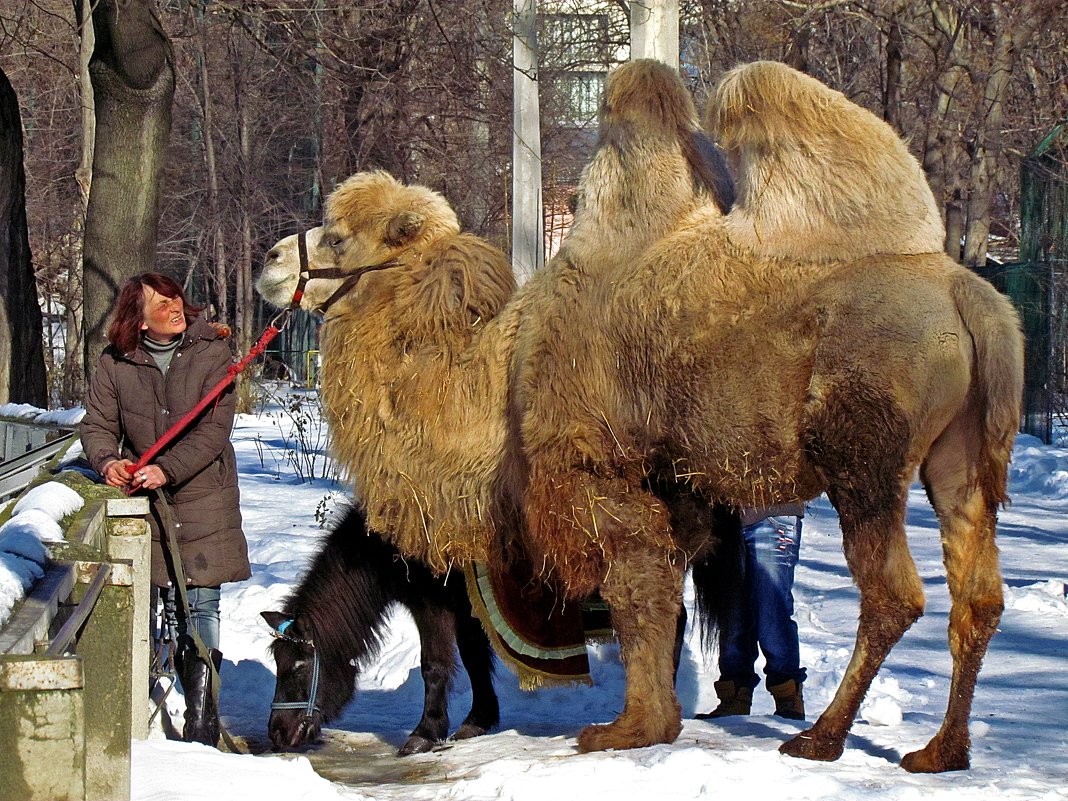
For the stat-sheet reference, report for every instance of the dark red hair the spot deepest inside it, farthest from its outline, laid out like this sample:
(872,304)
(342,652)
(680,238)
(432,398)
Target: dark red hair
(125,329)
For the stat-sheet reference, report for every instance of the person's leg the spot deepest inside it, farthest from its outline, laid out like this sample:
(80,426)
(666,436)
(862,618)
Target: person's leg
(204,614)
(738,637)
(776,549)
(195,674)
(776,543)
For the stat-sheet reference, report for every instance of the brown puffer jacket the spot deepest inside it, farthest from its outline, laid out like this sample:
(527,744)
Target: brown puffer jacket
(131,404)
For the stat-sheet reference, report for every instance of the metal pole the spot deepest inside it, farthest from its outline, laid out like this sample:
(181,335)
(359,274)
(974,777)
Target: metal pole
(528,236)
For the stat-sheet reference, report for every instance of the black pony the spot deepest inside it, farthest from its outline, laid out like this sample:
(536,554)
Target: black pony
(332,625)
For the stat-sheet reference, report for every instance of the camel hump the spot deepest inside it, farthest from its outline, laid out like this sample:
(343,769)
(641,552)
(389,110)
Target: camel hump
(649,94)
(994,325)
(818,176)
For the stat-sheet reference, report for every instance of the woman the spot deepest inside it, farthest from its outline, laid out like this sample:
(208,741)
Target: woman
(162,359)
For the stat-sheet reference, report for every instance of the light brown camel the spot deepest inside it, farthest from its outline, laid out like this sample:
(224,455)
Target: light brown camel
(662,348)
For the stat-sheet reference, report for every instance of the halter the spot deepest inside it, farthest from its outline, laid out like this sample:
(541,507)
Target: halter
(307,273)
(309,706)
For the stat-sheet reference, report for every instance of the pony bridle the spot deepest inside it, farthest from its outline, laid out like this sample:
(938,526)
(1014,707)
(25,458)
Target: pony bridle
(309,706)
(307,273)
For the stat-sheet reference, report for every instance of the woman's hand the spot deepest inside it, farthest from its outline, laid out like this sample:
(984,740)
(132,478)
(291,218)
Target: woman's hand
(117,472)
(149,477)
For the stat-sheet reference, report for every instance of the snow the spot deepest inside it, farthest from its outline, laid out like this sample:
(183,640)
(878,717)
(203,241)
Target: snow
(32,414)
(33,522)
(1018,727)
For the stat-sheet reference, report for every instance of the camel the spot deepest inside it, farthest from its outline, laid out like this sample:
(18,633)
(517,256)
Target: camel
(669,345)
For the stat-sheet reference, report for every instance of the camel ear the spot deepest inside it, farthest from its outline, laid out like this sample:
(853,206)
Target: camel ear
(404,227)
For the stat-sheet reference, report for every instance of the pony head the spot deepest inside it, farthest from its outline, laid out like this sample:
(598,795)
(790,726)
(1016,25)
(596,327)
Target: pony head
(312,686)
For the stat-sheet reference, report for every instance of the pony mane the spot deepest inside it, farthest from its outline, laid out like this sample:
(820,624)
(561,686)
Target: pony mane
(818,176)
(336,595)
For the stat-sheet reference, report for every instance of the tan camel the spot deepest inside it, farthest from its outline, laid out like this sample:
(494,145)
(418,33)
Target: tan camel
(659,349)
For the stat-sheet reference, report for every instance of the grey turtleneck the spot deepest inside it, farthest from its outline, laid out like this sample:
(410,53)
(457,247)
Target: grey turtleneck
(162,352)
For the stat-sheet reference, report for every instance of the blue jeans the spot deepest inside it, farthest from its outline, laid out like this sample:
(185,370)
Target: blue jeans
(763,614)
(203,613)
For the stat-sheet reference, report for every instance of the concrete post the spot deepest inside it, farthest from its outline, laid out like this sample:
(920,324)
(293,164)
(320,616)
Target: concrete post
(654,30)
(105,649)
(129,539)
(528,219)
(42,729)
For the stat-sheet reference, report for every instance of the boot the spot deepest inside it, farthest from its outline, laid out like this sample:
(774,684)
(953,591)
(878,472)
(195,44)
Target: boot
(201,715)
(733,700)
(789,700)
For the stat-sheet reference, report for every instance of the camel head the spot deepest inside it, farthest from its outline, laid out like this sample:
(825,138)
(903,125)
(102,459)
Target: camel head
(430,272)
(281,269)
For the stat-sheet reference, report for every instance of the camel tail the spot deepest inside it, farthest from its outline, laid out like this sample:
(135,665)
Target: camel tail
(717,581)
(994,326)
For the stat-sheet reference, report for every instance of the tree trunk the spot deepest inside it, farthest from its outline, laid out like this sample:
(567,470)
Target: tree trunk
(22,368)
(74,339)
(215,217)
(938,158)
(132,71)
(895,58)
(1010,32)
(244,309)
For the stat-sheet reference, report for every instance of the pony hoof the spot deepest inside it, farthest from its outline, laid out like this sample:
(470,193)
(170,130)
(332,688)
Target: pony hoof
(807,746)
(933,759)
(416,745)
(467,731)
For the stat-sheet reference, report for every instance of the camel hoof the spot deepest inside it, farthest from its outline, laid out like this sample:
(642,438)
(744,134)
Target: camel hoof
(415,745)
(618,736)
(808,746)
(467,731)
(934,759)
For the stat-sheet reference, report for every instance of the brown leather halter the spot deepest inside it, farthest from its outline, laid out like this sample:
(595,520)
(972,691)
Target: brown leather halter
(307,273)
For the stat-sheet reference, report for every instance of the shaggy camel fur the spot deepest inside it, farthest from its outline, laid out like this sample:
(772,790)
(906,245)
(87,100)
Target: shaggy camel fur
(656,351)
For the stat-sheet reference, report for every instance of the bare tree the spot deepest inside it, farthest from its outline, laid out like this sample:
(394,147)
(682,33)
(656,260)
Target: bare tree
(133,83)
(22,369)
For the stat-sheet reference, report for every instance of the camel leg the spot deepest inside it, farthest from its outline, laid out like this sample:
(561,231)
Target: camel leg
(891,599)
(644,591)
(974,578)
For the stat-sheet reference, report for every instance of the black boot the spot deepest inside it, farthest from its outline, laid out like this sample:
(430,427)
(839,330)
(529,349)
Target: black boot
(201,714)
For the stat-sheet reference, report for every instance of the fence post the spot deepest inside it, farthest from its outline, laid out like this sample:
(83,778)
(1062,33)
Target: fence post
(42,729)
(105,648)
(129,539)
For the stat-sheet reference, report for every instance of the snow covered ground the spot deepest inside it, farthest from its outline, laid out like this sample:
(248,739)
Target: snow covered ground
(1019,720)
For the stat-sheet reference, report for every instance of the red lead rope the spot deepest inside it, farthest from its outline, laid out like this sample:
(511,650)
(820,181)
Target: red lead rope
(231,373)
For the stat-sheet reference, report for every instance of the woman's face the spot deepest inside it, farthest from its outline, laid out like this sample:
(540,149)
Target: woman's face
(164,317)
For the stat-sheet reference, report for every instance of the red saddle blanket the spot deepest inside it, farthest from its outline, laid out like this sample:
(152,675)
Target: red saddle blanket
(538,635)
